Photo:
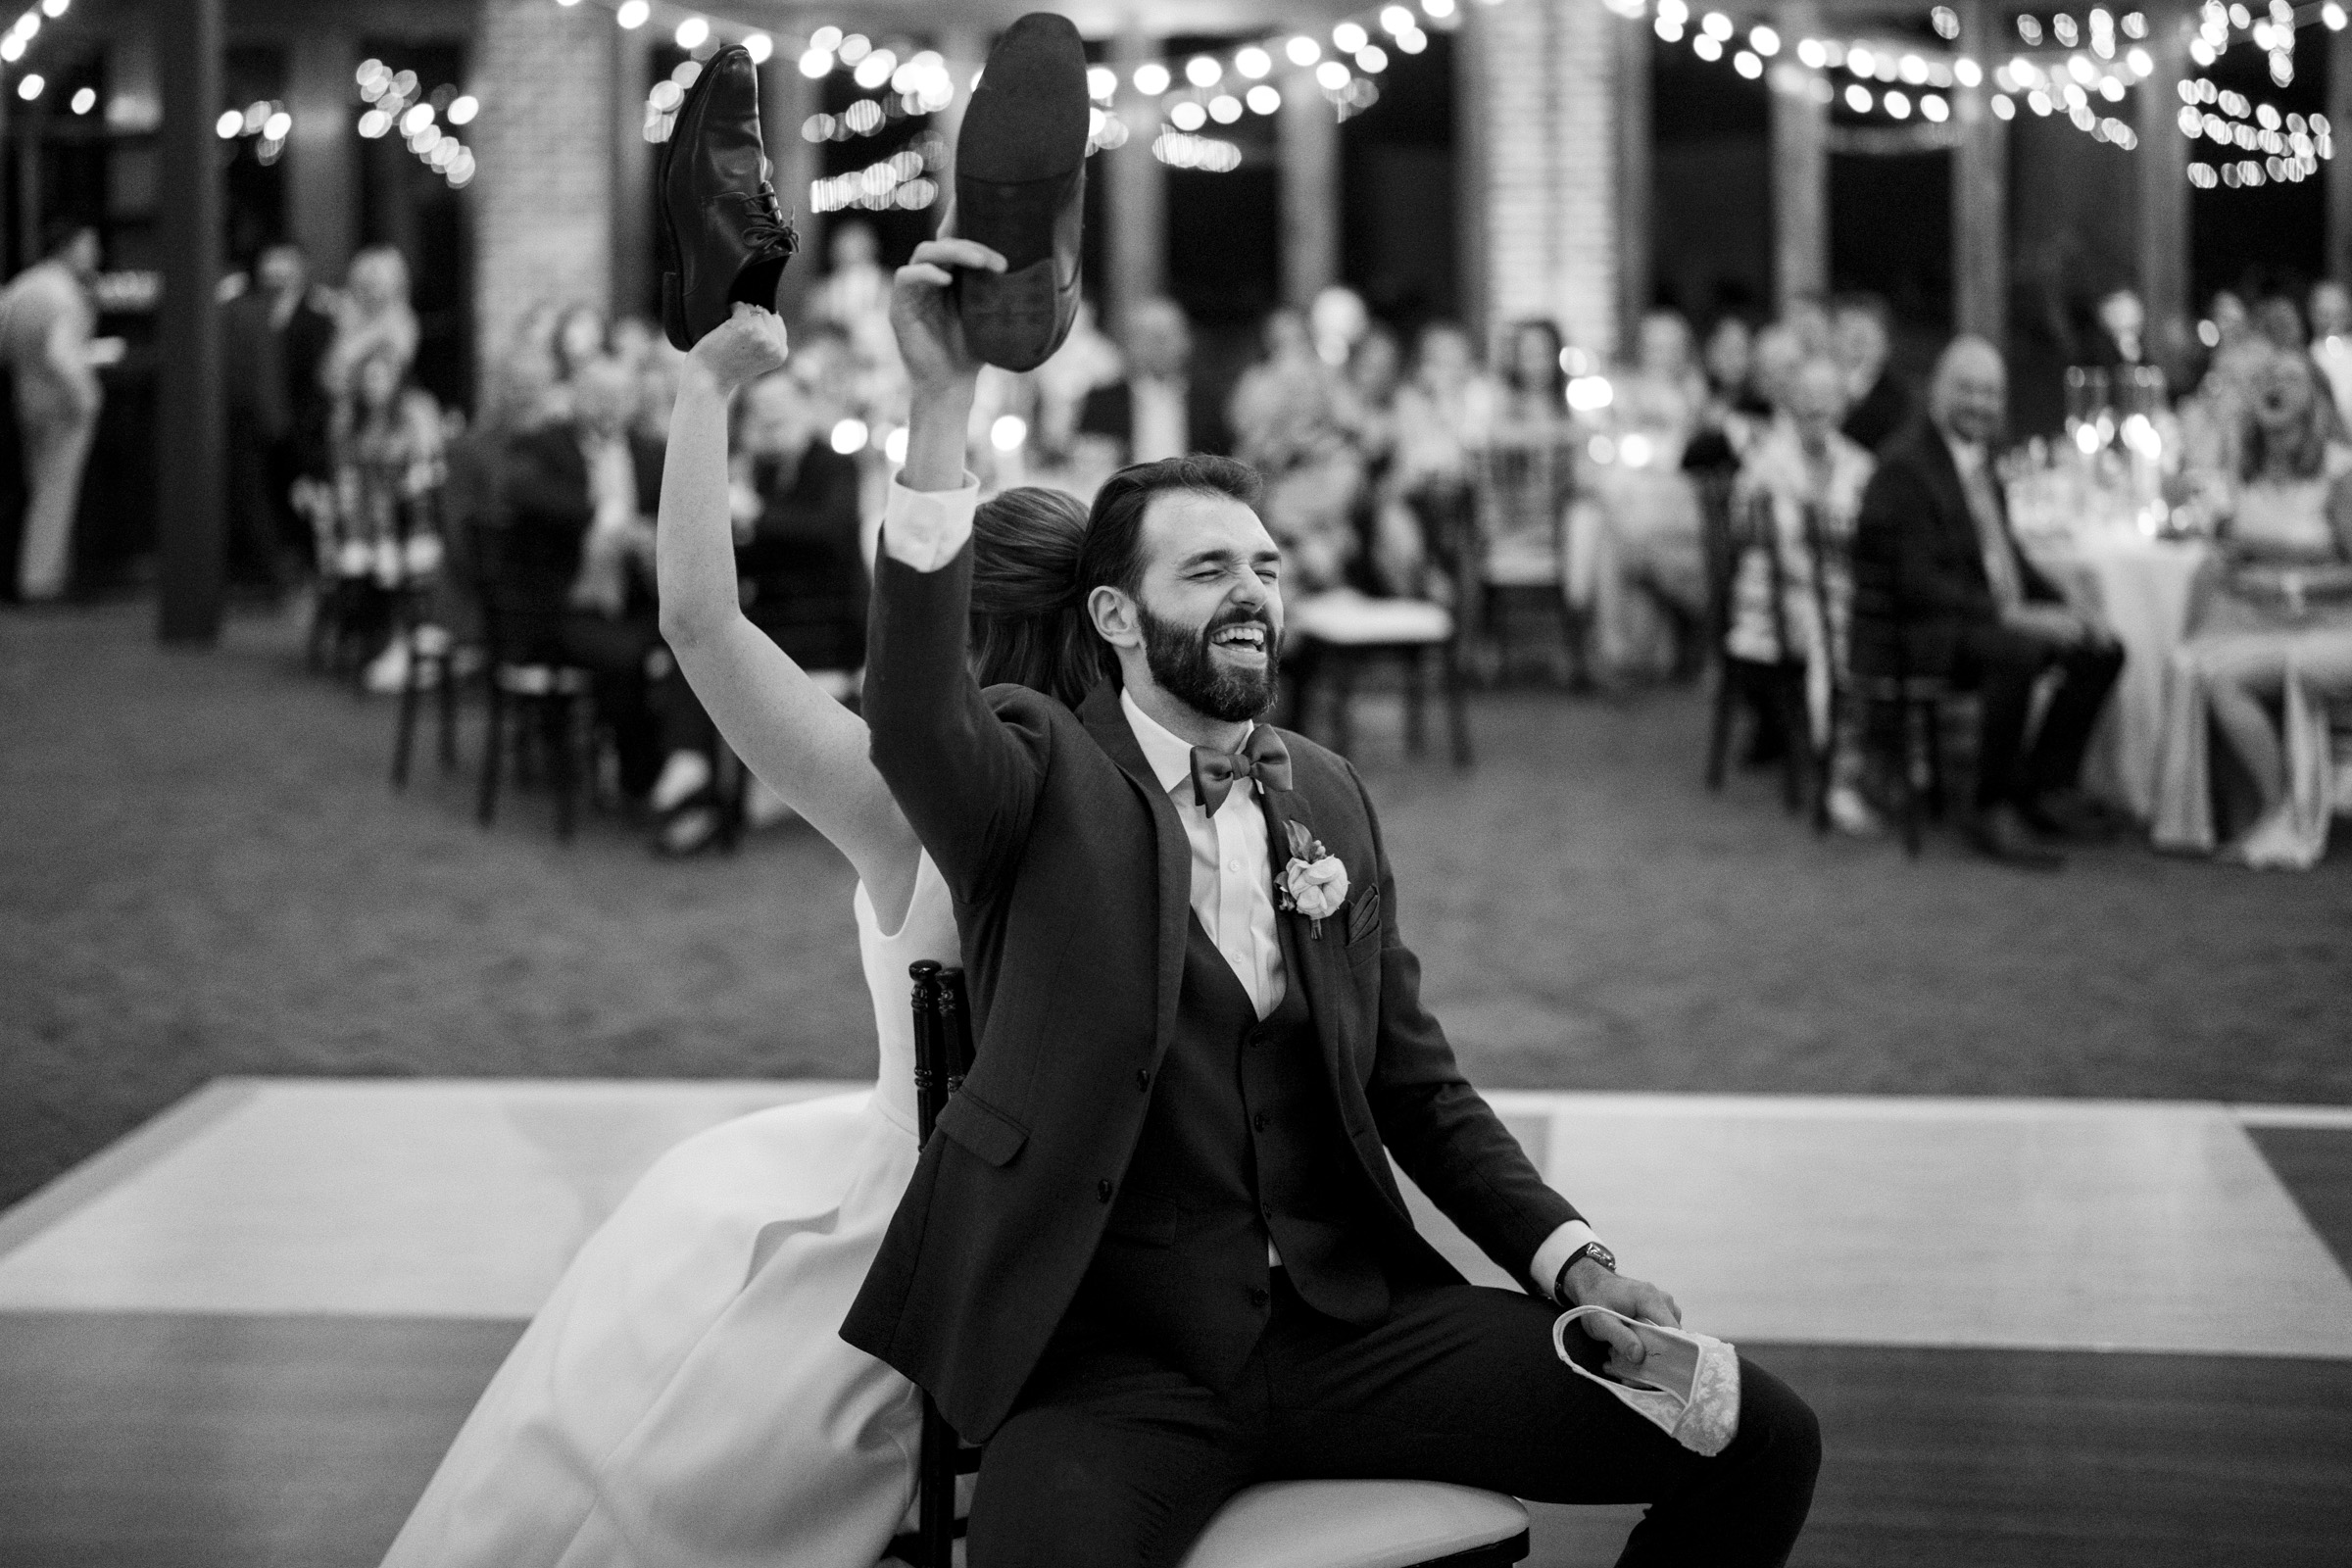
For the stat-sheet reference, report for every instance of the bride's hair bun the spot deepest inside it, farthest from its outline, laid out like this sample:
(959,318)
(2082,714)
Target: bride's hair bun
(1029,624)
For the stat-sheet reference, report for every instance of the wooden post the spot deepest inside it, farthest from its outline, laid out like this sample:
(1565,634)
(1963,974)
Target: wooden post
(188,424)
(1980,188)
(1137,209)
(2338,264)
(2161,164)
(1634,133)
(323,176)
(1801,166)
(634,286)
(1307,138)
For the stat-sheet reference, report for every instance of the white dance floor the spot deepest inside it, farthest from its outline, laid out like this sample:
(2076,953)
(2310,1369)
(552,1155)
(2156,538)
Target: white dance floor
(1862,1221)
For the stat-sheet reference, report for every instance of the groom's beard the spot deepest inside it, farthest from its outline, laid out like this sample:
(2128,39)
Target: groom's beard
(1181,660)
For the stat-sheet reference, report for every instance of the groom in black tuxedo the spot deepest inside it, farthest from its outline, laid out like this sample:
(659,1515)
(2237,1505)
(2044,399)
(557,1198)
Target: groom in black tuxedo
(1158,1254)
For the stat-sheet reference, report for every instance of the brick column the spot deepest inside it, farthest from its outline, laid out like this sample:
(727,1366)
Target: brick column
(635,288)
(785,101)
(1136,208)
(1630,42)
(1800,166)
(543,198)
(1980,188)
(1547,95)
(1307,142)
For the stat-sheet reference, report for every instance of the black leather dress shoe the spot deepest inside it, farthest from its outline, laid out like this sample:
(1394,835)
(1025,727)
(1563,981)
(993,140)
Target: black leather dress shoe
(2069,816)
(1020,190)
(1998,833)
(723,236)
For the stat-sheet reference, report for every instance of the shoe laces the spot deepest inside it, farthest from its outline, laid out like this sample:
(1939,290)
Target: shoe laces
(769,226)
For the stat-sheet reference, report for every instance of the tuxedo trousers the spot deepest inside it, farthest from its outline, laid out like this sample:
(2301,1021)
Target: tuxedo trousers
(1112,1456)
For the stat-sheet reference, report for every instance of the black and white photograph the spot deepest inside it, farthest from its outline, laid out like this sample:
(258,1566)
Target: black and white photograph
(1175,784)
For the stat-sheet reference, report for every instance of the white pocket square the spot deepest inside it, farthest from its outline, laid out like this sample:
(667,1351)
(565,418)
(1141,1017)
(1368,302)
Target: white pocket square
(1687,1384)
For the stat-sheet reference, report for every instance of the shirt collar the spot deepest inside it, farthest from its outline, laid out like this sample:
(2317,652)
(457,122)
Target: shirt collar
(1967,455)
(1169,754)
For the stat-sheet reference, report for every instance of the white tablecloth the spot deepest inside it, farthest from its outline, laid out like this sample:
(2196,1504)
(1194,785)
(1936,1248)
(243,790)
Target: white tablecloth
(2145,588)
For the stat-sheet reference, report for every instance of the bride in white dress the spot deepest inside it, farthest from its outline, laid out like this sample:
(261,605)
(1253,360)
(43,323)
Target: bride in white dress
(684,1398)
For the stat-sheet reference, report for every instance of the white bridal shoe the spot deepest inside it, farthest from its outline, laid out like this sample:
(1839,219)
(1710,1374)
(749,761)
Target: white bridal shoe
(1687,1385)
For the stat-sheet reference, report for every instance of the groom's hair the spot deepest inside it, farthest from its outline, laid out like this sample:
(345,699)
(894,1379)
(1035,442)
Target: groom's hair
(1113,554)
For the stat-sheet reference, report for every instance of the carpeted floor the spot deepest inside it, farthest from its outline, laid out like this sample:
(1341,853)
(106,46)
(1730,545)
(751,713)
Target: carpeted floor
(201,871)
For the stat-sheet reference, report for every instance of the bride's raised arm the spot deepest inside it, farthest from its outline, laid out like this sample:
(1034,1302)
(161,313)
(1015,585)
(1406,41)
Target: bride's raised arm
(801,743)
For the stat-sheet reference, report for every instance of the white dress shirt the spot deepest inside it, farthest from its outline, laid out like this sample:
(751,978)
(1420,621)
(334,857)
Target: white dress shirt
(1233,868)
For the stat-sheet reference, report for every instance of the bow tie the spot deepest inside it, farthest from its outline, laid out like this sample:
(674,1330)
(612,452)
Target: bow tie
(1262,758)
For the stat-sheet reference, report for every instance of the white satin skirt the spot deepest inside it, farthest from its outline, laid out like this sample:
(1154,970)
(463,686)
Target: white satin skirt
(684,1399)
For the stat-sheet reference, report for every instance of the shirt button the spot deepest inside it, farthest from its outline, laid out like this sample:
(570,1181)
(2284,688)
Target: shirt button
(1142,1078)
(1233,865)
(1102,1189)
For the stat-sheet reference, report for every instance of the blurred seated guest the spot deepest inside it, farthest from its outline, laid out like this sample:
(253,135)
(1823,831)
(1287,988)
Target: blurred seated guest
(1934,544)
(1527,477)
(1158,409)
(1736,409)
(1878,403)
(1806,480)
(2272,641)
(517,391)
(1442,415)
(796,528)
(1647,573)
(854,295)
(386,536)
(2122,330)
(374,316)
(46,321)
(2281,324)
(578,577)
(2331,343)
(1291,421)
(1338,320)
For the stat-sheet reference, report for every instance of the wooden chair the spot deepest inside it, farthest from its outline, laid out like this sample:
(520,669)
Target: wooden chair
(523,676)
(1730,535)
(433,661)
(1345,632)
(1496,584)
(1282,1524)
(1900,712)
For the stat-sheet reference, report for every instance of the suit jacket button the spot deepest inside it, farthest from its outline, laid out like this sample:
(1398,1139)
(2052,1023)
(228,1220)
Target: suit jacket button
(1142,1078)
(1259,1121)
(1260,1297)
(1102,1189)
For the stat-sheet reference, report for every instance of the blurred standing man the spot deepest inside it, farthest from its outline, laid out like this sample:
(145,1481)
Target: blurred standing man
(2331,342)
(46,321)
(1158,411)
(1933,541)
(1878,403)
(275,336)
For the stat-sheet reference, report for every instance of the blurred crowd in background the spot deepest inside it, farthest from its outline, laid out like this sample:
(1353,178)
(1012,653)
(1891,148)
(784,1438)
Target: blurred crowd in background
(1603,526)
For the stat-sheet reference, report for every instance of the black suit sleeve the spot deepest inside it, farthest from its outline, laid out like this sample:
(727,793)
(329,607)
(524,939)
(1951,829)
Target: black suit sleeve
(1440,1129)
(967,778)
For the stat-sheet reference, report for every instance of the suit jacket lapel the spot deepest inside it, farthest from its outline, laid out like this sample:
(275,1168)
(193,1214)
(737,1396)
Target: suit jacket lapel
(1107,723)
(1315,963)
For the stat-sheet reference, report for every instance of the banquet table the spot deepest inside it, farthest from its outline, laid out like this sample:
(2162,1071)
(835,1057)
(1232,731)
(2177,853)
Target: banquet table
(2147,590)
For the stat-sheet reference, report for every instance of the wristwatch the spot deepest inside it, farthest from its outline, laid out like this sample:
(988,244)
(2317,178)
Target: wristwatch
(1592,1249)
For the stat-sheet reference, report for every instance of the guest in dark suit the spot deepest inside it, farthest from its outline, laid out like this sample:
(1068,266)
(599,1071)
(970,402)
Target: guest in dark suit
(1161,410)
(1879,403)
(274,335)
(1158,1252)
(575,582)
(797,529)
(1934,544)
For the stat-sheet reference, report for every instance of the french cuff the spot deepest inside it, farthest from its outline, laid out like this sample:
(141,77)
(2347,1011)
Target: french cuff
(924,528)
(1555,1251)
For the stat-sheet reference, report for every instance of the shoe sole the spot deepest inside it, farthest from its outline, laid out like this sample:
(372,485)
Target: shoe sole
(1021,165)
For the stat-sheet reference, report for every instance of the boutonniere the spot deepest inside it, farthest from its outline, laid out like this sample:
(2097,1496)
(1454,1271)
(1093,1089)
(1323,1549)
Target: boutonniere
(1314,883)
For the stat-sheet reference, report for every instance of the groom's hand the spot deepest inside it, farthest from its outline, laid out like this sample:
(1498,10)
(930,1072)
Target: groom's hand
(941,373)
(1591,1285)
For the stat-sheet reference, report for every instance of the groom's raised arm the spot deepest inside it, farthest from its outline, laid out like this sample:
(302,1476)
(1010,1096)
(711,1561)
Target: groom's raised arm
(967,779)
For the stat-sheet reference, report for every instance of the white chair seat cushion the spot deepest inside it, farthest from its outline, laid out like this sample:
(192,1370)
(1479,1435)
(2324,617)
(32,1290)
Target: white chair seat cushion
(1354,1524)
(1349,618)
